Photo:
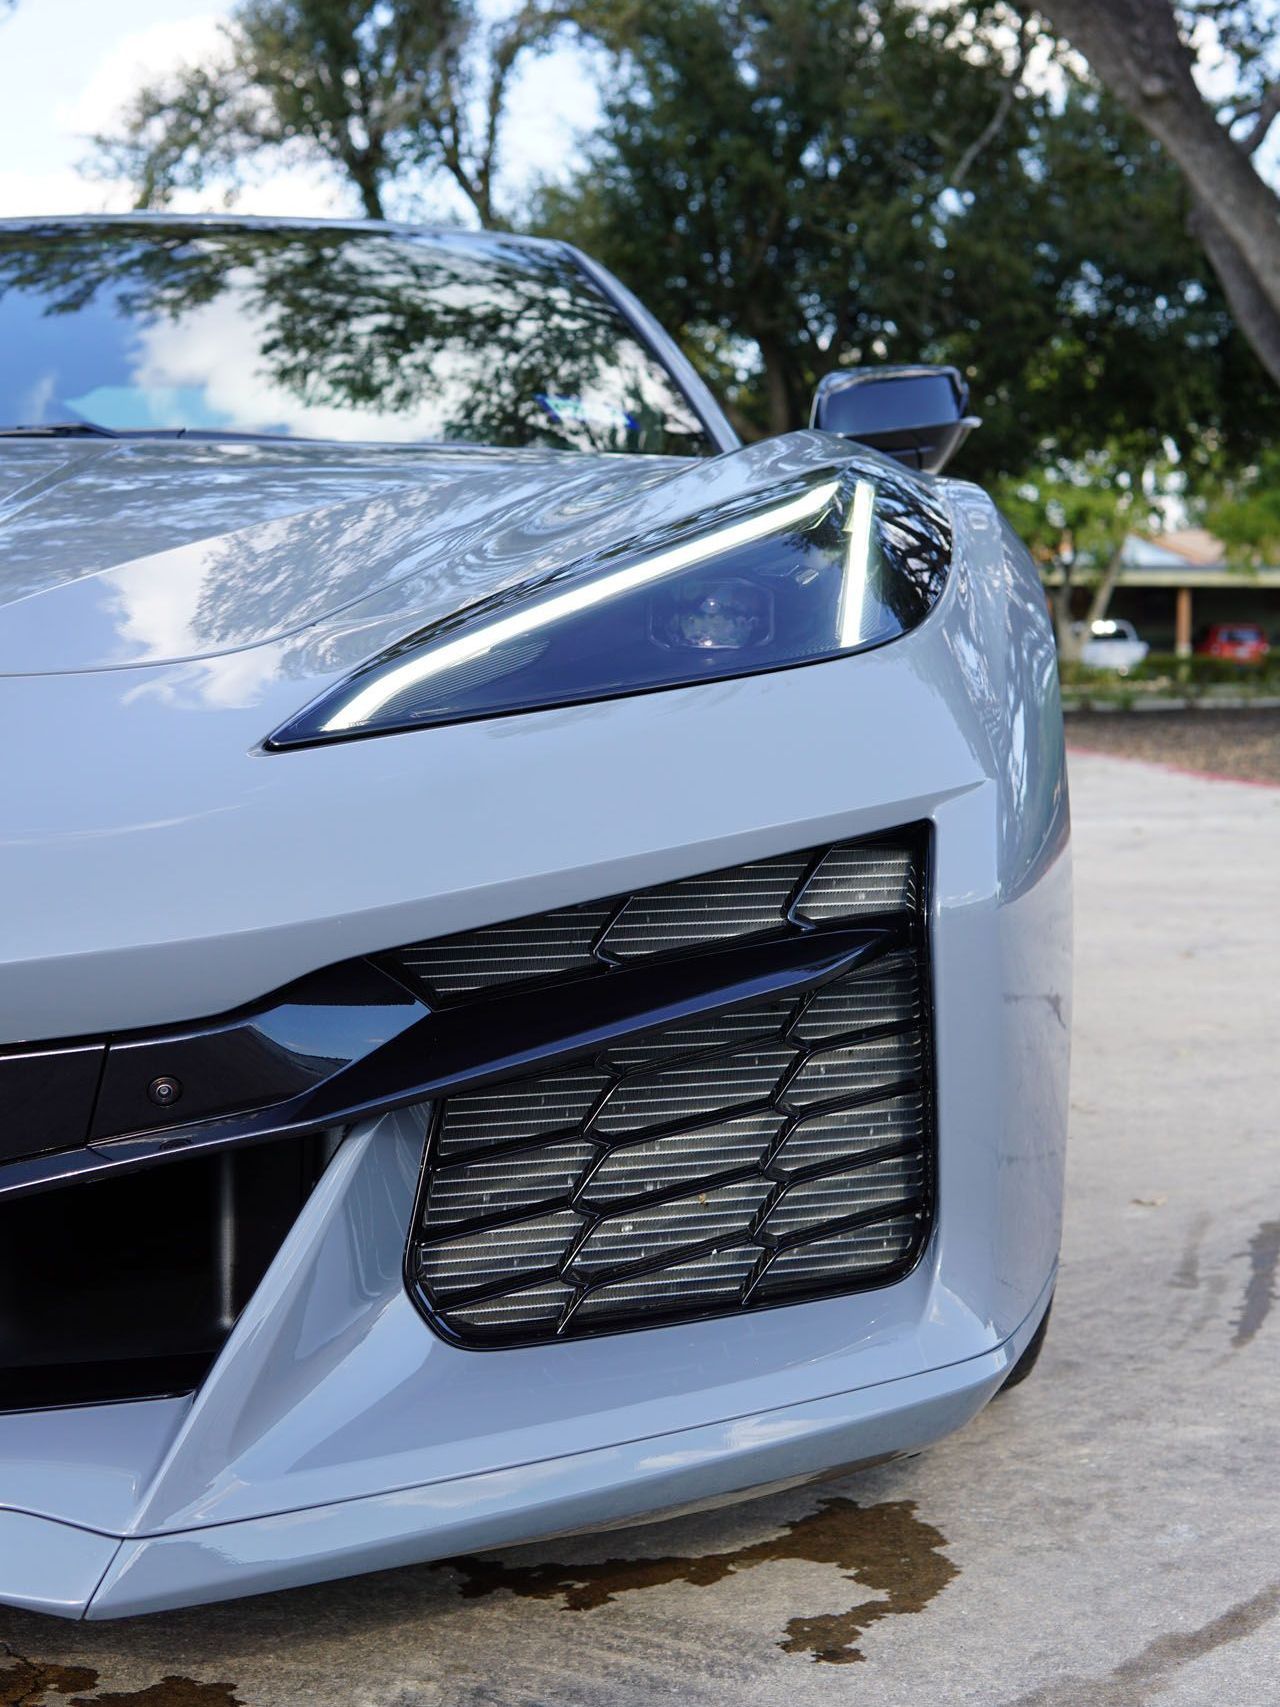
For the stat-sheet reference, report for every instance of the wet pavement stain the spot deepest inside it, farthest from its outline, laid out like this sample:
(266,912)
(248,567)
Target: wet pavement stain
(886,1548)
(28,1683)
(1187,1274)
(169,1692)
(1143,1679)
(1260,1291)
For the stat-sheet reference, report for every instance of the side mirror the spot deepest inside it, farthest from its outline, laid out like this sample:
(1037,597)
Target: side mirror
(920,415)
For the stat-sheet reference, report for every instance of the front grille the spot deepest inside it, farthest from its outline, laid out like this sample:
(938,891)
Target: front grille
(852,881)
(774,1150)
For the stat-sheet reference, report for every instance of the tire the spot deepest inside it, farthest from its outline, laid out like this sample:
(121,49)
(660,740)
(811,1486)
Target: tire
(1030,1356)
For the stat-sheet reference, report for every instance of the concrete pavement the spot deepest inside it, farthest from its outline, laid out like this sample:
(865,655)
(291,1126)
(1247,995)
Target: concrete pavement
(1106,1536)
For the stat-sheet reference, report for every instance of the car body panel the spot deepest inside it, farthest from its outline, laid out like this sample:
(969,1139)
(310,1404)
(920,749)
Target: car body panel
(172,869)
(155,551)
(52,1567)
(160,771)
(660,1476)
(94,1464)
(335,1431)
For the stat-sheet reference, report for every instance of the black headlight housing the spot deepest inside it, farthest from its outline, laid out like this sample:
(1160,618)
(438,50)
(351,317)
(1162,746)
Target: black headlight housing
(832,564)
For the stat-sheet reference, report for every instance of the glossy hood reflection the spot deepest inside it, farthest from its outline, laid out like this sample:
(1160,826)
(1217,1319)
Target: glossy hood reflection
(150,552)
(165,552)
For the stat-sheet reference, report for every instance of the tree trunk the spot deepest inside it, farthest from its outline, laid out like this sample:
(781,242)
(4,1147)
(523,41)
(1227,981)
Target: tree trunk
(1135,49)
(1101,600)
(1060,602)
(1247,300)
(365,179)
(777,392)
(371,201)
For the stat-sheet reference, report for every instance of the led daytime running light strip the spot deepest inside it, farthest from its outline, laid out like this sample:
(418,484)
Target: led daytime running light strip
(857,564)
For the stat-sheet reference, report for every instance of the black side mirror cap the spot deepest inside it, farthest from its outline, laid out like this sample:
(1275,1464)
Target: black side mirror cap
(920,415)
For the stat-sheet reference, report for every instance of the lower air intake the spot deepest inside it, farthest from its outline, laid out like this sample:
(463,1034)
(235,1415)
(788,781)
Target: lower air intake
(766,1152)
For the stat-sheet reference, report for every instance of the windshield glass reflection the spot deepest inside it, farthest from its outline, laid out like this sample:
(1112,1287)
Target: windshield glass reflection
(325,334)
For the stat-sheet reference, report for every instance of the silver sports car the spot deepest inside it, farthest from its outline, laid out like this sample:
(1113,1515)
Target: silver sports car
(534,984)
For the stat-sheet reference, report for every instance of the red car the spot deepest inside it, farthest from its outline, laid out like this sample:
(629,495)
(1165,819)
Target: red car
(1240,642)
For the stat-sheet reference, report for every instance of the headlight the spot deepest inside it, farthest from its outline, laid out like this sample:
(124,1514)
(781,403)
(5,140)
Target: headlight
(826,566)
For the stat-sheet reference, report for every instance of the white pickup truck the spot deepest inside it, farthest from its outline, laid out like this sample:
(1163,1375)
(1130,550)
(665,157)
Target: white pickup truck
(1113,645)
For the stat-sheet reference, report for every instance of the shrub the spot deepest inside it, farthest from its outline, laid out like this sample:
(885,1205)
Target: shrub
(1164,672)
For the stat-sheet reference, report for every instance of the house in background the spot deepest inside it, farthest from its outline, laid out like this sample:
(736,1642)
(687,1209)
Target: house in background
(1173,585)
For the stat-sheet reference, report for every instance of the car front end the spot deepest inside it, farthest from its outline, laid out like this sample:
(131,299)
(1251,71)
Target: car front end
(537,986)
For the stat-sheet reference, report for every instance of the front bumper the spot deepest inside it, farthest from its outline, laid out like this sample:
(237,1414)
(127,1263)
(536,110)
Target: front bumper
(335,1432)
(50,1566)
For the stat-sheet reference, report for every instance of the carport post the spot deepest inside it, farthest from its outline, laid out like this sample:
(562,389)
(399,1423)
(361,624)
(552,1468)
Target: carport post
(1182,623)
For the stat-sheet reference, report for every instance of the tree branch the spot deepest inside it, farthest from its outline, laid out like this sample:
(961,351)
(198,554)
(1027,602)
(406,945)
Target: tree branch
(995,124)
(1251,307)
(1267,113)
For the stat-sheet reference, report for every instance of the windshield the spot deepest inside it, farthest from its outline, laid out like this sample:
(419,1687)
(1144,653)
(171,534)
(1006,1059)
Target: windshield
(330,334)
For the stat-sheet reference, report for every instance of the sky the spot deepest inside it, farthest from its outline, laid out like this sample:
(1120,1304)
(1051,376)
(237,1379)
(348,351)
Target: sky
(68,66)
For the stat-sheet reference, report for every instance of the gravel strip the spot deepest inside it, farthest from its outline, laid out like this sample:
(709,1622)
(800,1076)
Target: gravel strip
(1244,744)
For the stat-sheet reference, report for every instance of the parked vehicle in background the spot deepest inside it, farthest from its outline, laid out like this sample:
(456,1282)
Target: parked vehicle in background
(1113,645)
(1237,643)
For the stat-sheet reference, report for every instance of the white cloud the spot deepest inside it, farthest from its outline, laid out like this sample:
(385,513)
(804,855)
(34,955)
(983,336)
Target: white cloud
(62,128)
(214,353)
(143,56)
(300,193)
(70,70)
(553,104)
(24,192)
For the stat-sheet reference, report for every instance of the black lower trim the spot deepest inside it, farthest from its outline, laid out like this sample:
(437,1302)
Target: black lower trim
(66,1386)
(127,1288)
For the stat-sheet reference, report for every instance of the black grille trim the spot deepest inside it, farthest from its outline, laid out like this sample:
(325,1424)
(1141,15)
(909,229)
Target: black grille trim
(742,1264)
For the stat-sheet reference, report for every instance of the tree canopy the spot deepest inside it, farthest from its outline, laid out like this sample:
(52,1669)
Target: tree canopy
(799,185)
(1145,52)
(376,89)
(803,185)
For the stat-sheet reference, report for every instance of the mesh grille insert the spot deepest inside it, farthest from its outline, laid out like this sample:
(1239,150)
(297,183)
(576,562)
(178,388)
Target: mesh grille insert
(857,1254)
(669,1228)
(505,1184)
(835,1197)
(848,1132)
(693,1153)
(533,1107)
(887,995)
(717,1275)
(853,881)
(769,1151)
(503,954)
(855,1069)
(725,904)
(693,1087)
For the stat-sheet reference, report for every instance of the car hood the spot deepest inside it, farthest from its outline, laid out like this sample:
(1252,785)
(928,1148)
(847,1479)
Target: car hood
(157,551)
(161,552)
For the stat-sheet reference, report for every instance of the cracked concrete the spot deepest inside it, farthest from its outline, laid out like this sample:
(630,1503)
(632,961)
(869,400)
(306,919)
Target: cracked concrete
(1106,1536)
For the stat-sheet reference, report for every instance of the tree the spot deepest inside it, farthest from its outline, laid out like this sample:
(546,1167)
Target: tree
(801,186)
(375,89)
(1245,515)
(1144,52)
(1075,515)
